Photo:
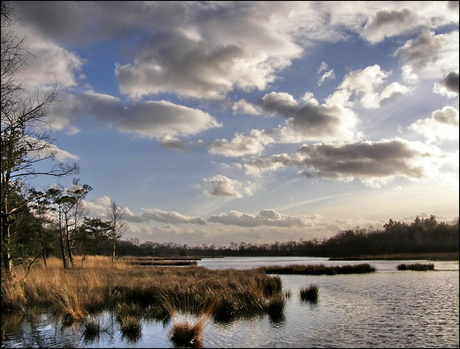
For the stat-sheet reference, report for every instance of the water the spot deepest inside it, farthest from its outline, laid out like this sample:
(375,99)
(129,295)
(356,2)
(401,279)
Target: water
(388,308)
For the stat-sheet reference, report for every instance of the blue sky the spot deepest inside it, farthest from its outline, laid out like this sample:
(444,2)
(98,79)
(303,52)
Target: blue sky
(212,122)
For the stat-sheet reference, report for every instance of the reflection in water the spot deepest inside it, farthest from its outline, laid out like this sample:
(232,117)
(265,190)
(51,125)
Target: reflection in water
(385,309)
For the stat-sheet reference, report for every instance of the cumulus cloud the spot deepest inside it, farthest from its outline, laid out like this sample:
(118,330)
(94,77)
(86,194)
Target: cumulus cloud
(223,186)
(244,107)
(388,23)
(264,218)
(369,87)
(168,142)
(206,49)
(255,165)
(169,217)
(374,163)
(48,65)
(48,150)
(449,86)
(209,59)
(443,124)
(241,145)
(308,120)
(429,56)
(161,119)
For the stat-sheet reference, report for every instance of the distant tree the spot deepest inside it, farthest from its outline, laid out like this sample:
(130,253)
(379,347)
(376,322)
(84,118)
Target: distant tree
(92,237)
(117,225)
(26,137)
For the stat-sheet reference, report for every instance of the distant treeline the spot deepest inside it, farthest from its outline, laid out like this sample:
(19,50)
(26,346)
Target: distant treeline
(423,235)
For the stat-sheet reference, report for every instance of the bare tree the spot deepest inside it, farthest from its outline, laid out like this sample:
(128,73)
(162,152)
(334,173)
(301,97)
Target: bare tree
(26,137)
(117,225)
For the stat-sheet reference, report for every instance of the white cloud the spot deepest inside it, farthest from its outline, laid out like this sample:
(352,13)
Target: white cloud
(264,218)
(241,145)
(329,75)
(443,124)
(45,150)
(244,107)
(152,119)
(429,56)
(170,217)
(168,142)
(223,187)
(48,65)
(368,86)
(322,67)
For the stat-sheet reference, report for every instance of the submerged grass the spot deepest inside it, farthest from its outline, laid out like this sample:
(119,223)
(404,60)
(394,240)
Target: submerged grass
(319,269)
(309,293)
(416,266)
(133,291)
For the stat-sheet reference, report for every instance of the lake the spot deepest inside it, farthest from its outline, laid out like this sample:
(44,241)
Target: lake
(389,308)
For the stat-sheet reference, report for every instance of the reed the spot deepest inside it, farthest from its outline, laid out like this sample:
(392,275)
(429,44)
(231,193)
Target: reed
(309,293)
(416,266)
(319,269)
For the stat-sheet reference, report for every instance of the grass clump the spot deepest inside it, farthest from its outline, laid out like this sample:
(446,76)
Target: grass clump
(319,269)
(91,330)
(309,293)
(130,328)
(275,308)
(187,333)
(416,266)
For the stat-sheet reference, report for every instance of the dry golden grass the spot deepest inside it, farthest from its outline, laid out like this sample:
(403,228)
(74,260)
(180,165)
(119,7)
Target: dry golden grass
(97,285)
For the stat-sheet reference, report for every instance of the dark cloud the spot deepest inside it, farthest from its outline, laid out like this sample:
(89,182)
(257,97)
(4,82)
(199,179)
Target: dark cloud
(309,120)
(421,51)
(388,23)
(370,159)
(371,162)
(451,81)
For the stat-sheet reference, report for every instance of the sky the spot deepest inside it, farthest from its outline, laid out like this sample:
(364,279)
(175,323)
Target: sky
(213,122)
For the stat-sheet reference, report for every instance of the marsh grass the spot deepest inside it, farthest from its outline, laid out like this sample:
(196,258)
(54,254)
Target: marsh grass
(319,269)
(138,292)
(188,327)
(287,294)
(130,328)
(275,308)
(309,293)
(91,330)
(416,266)
(187,333)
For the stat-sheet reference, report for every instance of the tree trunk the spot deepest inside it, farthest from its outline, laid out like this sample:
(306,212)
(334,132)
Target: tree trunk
(61,239)
(113,251)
